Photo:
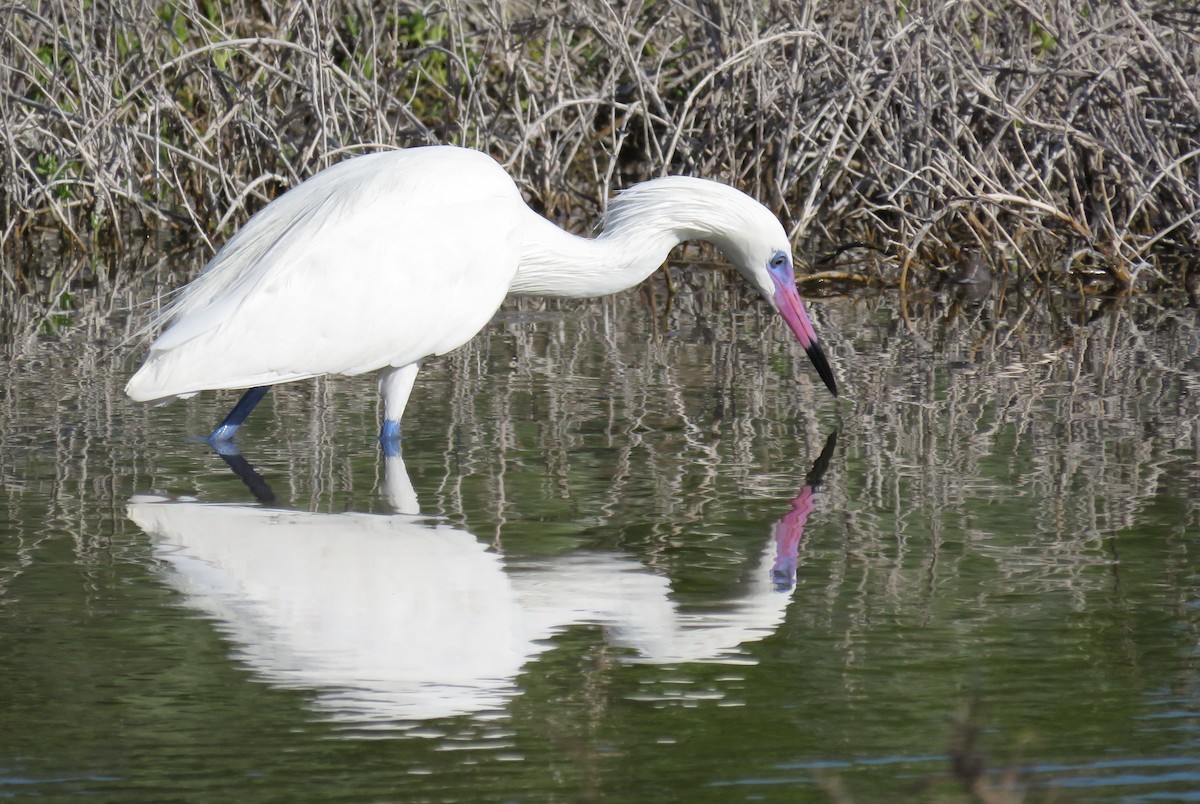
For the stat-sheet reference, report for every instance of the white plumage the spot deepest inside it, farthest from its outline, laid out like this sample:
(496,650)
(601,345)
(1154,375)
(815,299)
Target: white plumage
(321,281)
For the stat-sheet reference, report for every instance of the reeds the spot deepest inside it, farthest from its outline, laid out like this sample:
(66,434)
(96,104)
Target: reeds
(1049,138)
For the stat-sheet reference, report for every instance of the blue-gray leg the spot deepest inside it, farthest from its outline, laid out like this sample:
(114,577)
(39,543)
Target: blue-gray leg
(389,438)
(241,410)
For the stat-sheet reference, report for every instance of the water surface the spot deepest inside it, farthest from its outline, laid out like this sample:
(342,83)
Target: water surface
(612,562)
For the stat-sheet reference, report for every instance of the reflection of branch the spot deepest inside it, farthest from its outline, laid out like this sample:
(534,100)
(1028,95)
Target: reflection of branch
(789,531)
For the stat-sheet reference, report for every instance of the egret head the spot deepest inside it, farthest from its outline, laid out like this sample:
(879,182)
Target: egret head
(784,297)
(758,247)
(663,212)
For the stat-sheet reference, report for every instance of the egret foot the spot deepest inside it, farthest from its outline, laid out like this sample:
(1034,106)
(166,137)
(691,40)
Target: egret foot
(389,438)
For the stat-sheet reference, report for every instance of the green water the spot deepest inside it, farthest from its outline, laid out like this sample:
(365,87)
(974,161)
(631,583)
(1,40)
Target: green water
(596,600)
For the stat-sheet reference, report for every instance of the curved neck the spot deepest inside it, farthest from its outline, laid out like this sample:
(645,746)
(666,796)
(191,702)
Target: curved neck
(641,227)
(557,263)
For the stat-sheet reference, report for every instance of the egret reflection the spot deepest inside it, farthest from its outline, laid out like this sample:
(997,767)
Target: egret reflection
(405,618)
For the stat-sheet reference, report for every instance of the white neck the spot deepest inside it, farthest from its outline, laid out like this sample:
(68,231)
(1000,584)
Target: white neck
(558,263)
(642,226)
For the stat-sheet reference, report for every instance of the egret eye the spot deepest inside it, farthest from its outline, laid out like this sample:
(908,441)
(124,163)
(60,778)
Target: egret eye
(779,261)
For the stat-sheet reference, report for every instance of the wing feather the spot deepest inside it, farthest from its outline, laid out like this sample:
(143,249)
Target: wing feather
(387,260)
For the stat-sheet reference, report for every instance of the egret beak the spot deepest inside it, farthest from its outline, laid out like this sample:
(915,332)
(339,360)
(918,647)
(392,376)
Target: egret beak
(787,301)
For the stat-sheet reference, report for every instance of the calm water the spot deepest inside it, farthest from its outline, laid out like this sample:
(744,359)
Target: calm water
(622,555)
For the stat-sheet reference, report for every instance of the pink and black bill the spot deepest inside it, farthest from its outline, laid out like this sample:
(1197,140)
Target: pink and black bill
(787,300)
(817,355)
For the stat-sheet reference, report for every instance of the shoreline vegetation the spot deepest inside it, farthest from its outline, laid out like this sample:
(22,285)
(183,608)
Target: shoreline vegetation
(898,142)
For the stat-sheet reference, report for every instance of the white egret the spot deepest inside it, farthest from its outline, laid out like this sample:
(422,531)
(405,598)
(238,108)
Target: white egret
(384,260)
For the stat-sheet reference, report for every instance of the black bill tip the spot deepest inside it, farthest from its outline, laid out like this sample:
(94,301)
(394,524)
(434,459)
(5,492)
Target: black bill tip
(817,355)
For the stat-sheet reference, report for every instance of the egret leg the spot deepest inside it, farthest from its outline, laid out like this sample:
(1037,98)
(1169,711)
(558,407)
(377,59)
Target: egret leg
(241,410)
(395,384)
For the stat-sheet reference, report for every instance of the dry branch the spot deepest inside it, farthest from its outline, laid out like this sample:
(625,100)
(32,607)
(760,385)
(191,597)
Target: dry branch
(922,130)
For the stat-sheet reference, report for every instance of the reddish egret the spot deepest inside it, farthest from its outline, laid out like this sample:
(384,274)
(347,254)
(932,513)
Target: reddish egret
(382,261)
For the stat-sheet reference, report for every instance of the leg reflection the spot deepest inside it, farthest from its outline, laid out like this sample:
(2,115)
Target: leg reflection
(397,488)
(259,487)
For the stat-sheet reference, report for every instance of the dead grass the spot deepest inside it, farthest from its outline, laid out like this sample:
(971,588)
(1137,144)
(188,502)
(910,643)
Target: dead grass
(1050,139)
